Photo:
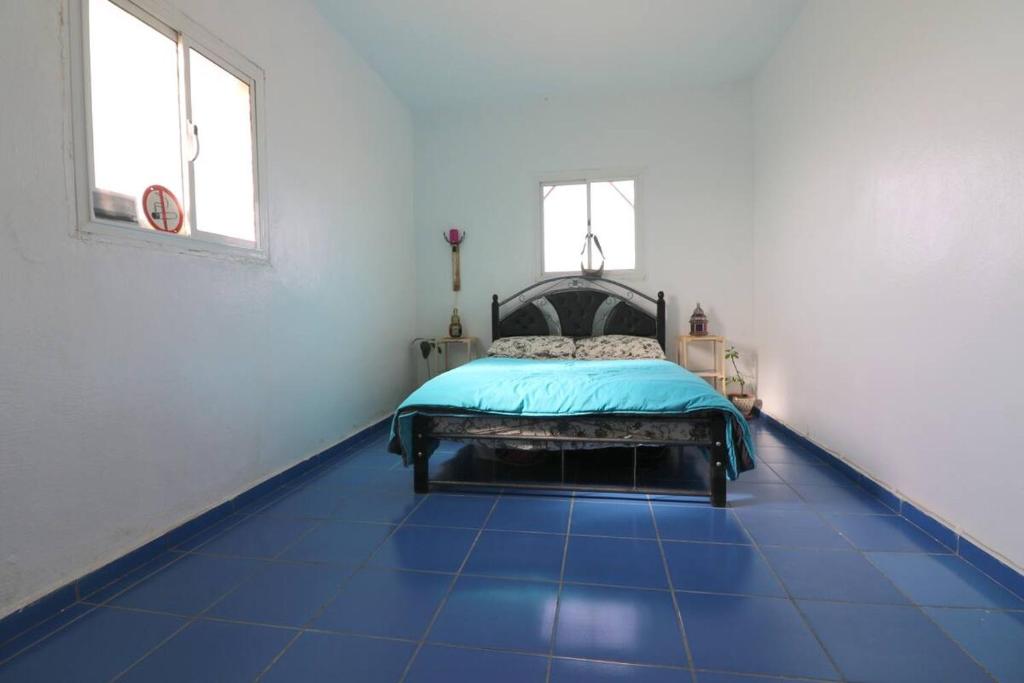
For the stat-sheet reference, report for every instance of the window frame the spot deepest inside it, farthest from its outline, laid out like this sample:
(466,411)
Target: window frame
(188,35)
(588,177)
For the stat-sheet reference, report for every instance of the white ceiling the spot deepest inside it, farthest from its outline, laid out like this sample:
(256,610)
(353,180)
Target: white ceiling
(440,53)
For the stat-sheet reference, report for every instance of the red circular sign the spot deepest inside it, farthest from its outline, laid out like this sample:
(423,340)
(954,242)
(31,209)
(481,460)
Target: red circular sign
(163,211)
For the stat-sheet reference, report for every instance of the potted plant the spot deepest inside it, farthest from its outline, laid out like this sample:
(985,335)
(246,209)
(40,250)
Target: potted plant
(743,401)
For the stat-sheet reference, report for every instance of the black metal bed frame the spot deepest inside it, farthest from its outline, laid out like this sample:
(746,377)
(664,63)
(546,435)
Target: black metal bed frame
(583,306)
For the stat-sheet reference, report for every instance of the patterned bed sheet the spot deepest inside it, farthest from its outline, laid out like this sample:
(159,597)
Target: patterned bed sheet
(528,433)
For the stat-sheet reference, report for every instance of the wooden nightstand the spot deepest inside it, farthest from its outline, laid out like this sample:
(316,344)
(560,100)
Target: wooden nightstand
(716,376)
(469,344)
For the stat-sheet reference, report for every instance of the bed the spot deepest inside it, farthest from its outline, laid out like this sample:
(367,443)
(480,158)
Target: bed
(560,405)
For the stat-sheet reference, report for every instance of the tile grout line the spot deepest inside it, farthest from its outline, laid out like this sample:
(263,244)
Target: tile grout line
(789,597)
(334,596)
(671,588)
(561,585)
(235,586)
(911,603)
(451,587)
(266,498)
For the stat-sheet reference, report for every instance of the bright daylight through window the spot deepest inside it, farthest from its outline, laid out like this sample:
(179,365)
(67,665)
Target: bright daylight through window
(170,130)
(587,223)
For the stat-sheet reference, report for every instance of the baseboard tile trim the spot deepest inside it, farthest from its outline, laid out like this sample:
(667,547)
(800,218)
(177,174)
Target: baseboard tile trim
(13,625)
(970,550)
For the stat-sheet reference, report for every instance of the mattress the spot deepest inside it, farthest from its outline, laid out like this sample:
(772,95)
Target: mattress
(578,433)
(561,394)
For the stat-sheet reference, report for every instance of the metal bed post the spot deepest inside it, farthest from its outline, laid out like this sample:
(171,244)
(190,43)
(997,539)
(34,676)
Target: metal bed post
(717,460)
(420,459)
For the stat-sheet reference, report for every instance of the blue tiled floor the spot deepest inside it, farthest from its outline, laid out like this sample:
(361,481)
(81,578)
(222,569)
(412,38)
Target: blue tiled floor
(347,575)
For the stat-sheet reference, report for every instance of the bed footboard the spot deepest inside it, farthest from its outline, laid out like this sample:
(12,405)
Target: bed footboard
(717,424)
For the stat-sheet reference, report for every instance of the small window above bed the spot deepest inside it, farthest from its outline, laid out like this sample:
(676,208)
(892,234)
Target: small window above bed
(586,220)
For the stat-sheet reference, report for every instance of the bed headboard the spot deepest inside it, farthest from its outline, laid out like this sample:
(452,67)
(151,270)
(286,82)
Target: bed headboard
(578,306)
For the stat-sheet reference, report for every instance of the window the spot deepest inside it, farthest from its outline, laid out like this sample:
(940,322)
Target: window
(169,130)
(587,222)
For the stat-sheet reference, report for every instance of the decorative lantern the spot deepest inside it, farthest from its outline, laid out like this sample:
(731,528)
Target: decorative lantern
(698,322)
(455,237)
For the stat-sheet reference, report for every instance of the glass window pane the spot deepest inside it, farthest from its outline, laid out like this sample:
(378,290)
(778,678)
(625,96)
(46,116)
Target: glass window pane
(613,221)
(225,201)
(565,226)
(136,138)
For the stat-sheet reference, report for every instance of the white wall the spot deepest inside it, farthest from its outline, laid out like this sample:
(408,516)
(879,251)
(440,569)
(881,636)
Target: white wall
(890,248)
(479,169)
(140,387)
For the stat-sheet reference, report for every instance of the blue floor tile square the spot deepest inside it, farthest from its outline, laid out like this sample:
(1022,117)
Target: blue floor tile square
(425,548)
(944,581)
(842,575)
(904,645)
(720,568)
(531,513)
(841,499)
(519,555)
(767,438)
(315,500)
(751,635)
(443,664)
(786,455)
(374,457)
(189,585)
(212,651)
(453,511)
(996,639)
(34,634)
(698,523)
(389,481)
(619,624)
(716,677)
(329,658)
(114,588)
(204,535)
(346,480)
(257,536)
(762,474)
(72,654)
(374,507)
(340,542)
(757,497)
(615,561)
(628,519)
(384,602)
(583,671)
(814,474)
(282,593)
(498,613)
(885,533)
(794,529)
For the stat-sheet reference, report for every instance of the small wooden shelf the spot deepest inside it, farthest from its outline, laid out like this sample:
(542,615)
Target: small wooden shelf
(715,376)
(468,342)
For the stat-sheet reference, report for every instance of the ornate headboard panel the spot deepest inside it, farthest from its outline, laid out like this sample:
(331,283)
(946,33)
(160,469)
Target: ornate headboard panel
(577,306)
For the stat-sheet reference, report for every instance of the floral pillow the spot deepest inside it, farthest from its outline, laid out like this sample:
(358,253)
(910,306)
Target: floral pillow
(617,347)
(532,347)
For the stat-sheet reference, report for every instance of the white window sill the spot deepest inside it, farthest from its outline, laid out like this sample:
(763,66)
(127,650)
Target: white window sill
(623,275)
(111,233)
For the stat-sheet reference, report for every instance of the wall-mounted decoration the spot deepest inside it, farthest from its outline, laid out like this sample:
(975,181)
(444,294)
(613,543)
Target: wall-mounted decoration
(163,211)
(698,322)
(455,238)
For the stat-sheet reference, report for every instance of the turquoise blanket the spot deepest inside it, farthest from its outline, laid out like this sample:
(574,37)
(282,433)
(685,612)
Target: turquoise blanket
(562,388)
